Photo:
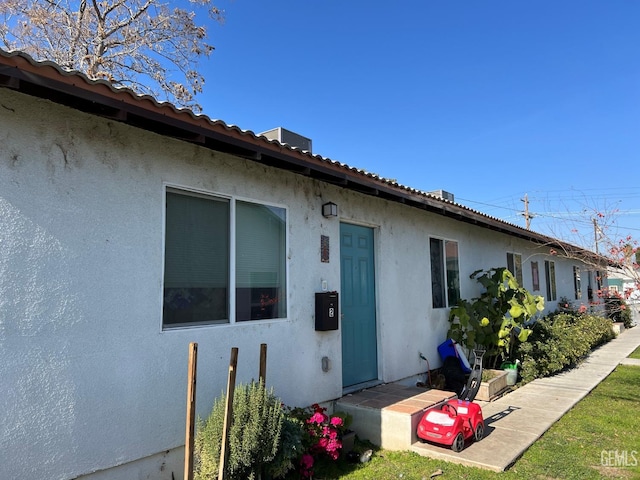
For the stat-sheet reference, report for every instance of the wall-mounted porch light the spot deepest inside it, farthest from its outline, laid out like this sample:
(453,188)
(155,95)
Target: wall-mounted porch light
(329,209)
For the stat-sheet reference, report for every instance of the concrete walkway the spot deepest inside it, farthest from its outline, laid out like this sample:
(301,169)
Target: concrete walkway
(515,421)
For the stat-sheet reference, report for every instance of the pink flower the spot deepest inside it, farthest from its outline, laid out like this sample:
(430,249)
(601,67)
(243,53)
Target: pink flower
(334,453)
(323,438)
(334,445)
(336,421)
(306,462)
(318,418)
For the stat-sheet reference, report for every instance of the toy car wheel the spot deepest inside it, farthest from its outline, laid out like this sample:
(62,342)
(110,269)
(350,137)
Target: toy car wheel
(479,433)
(458,443)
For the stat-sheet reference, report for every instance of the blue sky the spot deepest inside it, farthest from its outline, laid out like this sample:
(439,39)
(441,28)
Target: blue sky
(488,100)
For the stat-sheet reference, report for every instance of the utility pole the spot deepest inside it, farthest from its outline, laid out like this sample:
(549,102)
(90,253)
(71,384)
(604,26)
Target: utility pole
(526,214)
(595,233)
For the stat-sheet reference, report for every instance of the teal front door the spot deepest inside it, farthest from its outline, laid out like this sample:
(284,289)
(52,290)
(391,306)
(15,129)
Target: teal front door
(358,304)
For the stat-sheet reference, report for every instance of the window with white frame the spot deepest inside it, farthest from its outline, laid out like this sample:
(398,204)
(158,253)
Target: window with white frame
(514,265)
(445,272)
(212,243)
(550,277)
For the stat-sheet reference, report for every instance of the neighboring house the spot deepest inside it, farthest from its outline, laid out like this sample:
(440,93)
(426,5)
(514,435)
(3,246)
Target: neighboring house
(129,229)
(624,280)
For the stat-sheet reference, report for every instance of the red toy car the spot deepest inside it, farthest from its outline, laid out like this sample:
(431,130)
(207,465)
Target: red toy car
(456,421)
(453,423)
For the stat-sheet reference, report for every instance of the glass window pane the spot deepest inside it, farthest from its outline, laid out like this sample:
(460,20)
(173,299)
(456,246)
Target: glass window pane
(453,272)
(514,265)
(517,261)
(260,262)
(550,277)
(196,272)
(437,273)
(535,276)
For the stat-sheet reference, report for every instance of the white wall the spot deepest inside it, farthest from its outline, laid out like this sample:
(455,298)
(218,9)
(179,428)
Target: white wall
(89,379)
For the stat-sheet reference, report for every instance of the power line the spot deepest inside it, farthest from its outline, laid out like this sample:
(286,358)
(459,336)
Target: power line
(488,204)
(556,215)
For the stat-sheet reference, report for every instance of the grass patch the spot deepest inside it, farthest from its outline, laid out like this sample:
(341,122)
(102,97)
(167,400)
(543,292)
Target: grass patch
(573,448)
(635,353)
(605,420)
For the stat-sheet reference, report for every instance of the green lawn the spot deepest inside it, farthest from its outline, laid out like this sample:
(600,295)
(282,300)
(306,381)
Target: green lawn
(589,442)
(635,353)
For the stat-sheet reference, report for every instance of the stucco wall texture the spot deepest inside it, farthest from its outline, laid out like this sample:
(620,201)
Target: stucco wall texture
(89,379)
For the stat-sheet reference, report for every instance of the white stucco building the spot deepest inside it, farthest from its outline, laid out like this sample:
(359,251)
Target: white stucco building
(129,229)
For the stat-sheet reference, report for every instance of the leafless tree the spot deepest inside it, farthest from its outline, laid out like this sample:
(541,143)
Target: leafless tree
(146,45)
(615,254)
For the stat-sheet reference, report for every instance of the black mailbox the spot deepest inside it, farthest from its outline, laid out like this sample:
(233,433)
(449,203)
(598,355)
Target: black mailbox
(326,311)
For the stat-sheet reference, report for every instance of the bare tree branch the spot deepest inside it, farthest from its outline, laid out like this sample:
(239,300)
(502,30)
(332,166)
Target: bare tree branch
(141,44)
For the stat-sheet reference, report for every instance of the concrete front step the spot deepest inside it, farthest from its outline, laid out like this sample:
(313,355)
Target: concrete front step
(388,415)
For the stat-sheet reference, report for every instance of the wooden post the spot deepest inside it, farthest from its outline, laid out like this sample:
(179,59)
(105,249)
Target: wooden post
(191,411)
(263,363)
(228,414)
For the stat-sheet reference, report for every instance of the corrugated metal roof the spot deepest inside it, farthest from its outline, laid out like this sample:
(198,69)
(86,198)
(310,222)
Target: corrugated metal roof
(47,79)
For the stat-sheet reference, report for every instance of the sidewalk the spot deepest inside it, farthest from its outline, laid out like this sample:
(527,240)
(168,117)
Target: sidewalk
(515,421)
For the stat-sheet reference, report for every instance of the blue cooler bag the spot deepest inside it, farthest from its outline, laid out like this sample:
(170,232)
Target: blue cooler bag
(449,348)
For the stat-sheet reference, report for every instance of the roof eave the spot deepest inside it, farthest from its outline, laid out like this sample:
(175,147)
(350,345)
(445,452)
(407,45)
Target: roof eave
(47,80)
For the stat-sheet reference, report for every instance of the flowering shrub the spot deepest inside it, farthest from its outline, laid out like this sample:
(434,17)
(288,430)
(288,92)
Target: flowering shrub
(321,436)
(616,308)
(324,431)
(565,306)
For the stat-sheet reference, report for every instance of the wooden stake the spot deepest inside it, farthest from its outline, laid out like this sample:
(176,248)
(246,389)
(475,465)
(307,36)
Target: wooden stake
(228,414)
(263,363)
(191,411)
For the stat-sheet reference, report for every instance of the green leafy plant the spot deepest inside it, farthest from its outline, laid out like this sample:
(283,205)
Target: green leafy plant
(254,436)
(498,319)
(291,449)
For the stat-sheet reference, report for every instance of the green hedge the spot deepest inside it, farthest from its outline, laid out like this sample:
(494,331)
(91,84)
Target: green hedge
(561,340)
